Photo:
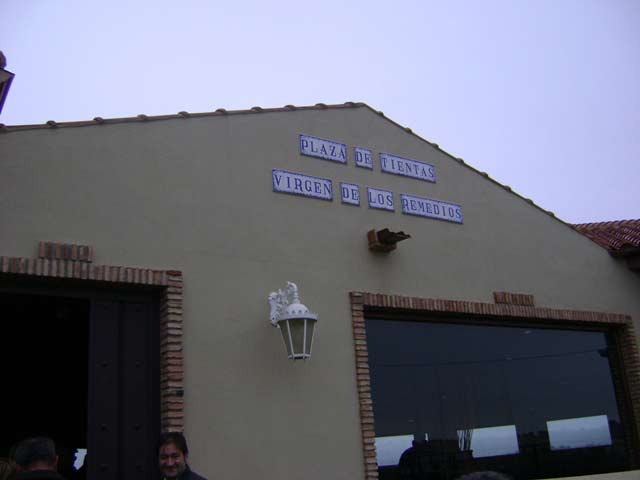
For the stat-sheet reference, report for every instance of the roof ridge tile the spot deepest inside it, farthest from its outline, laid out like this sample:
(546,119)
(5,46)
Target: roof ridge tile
(614,235)
(181,114)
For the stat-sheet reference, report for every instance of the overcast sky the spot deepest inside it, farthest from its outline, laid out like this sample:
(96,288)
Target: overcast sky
(544,95)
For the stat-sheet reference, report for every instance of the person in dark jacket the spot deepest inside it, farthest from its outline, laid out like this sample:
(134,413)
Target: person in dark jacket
(172,458)
(36,459)
(7,469)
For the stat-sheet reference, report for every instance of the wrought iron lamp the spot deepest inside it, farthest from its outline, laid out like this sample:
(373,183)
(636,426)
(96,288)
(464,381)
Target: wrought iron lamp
(295,321)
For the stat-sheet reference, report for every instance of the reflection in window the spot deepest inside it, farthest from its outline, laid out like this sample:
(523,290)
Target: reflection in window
(486,395)
(389,449)
(489,441)
(80,454)
(579,432)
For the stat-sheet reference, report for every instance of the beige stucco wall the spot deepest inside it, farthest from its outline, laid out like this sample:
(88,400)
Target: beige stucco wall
(196,195)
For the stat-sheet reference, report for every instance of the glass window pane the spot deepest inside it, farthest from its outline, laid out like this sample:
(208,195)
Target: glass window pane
(527,402)
(489,441)
(389,449)
(579,432)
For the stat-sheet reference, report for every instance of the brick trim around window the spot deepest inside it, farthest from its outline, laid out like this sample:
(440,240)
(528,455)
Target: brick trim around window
(621,326)
(171,315)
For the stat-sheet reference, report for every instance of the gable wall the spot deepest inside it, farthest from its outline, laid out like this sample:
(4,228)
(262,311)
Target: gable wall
(196,195)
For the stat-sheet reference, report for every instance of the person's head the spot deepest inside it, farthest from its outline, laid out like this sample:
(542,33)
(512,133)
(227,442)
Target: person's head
(172,454)
(37,453)
(419,439)
(7,469)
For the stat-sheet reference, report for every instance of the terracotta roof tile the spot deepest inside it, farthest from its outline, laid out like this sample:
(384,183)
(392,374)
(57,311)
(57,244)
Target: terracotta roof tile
(617,236)
(144,118)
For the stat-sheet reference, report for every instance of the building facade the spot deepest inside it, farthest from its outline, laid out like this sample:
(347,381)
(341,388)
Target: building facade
(461,327)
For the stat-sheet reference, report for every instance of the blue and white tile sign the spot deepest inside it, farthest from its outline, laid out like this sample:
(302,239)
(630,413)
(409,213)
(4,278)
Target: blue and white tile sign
(350,193)
(426,207)
(363,157)
(380,199)
(321,148)
(305,185)
(408,168)
(322,188)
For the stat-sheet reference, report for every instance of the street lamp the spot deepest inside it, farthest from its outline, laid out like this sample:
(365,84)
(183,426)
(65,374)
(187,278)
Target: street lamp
(295,321)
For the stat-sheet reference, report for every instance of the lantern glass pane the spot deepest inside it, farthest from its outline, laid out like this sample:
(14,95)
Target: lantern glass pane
(286,336)
(309,338)
(297,335)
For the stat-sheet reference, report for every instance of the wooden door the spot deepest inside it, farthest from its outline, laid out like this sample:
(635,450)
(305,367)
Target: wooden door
(123,406)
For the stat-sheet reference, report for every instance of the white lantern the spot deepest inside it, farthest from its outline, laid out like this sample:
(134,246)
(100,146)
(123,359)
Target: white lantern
(295,321)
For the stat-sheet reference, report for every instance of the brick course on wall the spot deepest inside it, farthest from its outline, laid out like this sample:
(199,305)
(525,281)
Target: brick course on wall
(73,262)
(65,251)
(514,298)
(509,307)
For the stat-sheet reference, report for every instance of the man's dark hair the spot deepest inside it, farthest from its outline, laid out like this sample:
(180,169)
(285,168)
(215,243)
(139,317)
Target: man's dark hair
(34,450)
(177,439)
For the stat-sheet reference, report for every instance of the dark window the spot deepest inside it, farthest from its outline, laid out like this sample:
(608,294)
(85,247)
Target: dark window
(458,398)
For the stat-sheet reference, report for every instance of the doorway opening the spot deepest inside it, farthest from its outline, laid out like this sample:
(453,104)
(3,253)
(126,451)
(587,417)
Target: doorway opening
(45,355)
(82,366)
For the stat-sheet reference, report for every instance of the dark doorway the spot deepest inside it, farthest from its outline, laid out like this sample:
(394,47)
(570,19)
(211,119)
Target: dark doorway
(45,362)
(82,367)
